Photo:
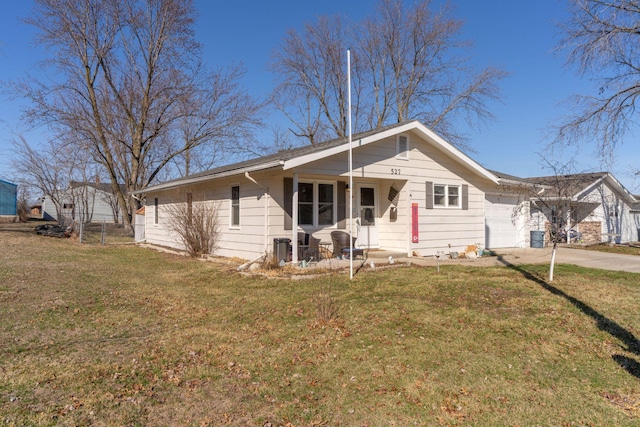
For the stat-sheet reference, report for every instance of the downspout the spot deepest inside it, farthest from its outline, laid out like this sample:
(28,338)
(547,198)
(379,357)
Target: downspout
(266,210)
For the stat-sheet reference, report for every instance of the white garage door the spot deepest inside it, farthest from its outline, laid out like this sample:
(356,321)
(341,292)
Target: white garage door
(500,229)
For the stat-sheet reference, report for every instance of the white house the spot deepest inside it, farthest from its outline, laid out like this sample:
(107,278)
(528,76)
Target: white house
(596,206)
(89,202)
(600,207)
(412,192)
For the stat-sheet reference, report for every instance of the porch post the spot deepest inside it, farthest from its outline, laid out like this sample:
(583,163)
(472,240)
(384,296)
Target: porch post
(294,221)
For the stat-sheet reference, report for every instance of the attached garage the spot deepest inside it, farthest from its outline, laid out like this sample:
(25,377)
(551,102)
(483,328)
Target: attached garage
(503,227)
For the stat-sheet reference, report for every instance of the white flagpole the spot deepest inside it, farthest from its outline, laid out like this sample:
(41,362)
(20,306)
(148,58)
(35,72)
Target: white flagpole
(350,168)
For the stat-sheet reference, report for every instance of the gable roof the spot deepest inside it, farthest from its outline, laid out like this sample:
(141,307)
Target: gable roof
(101,186)
(296,157)
(576,186)
(515,181)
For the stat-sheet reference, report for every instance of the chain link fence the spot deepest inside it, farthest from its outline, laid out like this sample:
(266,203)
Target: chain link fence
(95,233)
(105,233)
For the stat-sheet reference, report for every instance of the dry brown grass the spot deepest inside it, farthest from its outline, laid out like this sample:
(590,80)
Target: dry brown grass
(118,335)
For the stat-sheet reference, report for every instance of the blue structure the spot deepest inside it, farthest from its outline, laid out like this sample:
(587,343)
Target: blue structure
(8,198)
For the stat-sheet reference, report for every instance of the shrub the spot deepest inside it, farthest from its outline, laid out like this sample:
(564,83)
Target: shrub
(196,224)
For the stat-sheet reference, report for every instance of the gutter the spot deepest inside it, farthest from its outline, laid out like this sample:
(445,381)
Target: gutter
(199,179)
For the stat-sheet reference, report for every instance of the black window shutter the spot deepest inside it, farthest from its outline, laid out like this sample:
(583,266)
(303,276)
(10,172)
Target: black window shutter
(465,197)
(342,205)
(429,196)
(288,203)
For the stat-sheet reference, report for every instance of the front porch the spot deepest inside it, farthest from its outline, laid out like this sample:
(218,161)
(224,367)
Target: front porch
(316,207)
(371,256)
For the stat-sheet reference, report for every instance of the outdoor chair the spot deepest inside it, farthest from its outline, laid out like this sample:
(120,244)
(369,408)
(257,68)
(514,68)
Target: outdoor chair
(308,247)
(341,245)
(311,251)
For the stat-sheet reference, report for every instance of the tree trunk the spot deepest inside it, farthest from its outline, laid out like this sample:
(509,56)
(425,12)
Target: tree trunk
(553,260)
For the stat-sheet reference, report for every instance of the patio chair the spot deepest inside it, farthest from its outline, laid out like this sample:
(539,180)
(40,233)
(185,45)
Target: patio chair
(311,251)
(341,245)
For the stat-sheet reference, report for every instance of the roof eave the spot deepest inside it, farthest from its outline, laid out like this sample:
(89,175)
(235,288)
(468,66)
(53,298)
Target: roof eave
(410,126)
(518,183)
(196,180)
(613,182)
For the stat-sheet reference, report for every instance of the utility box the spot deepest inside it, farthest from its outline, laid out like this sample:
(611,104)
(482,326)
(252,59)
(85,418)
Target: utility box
(281,249)
(537,239)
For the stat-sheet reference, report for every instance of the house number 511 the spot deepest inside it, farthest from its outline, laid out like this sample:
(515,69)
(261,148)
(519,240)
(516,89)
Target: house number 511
(395,171)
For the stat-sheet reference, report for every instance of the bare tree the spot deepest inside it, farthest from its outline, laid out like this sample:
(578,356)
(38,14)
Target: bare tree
(195,222)
(601,39)
(47,169)
(552,201)
(61,174)
(128,85)
(407,66)
(313,89)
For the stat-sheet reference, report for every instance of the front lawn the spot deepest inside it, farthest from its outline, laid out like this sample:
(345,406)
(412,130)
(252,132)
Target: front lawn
(119,335)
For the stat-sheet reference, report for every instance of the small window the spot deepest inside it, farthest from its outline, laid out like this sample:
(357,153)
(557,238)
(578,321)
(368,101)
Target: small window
(316,204)
(454,196)
(189,207)
(155,210)
(325,204)
(235,206)
(613,211)
(305,203)
(439,195)
(68,206)
(447,196)
(402,147)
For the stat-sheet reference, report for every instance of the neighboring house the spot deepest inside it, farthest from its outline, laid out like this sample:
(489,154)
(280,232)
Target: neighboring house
(595,205)
(412,192)
(600,207)
(635,213)
(83,201)
(8,200)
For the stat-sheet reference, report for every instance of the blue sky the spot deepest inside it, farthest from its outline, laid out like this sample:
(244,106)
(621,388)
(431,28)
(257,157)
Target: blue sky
(518,36)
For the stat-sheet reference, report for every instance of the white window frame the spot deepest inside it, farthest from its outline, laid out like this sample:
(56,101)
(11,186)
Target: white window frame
(233,226)
(316,204)
(447,196)
(402,155)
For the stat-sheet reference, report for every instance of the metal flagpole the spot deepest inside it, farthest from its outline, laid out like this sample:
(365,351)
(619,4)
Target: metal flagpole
(350,168)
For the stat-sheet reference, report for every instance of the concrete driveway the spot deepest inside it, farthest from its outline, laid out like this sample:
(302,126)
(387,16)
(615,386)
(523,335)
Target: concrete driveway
(580,257)
(565,255)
